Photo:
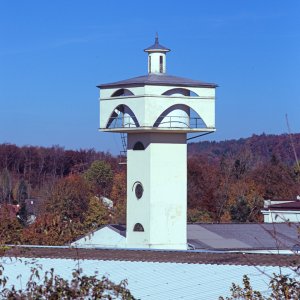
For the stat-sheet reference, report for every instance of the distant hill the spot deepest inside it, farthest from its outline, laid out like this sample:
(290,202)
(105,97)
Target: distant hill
(259,147)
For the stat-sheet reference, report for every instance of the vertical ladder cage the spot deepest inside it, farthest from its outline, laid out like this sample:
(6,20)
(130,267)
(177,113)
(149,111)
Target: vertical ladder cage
(123,153)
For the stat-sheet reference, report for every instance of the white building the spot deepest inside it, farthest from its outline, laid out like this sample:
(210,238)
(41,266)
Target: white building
(280,211)
(157,111)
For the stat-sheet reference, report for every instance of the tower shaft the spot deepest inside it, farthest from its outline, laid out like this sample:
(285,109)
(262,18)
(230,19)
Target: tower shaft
(161,170)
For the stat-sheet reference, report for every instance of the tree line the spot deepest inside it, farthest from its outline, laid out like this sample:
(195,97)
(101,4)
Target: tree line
(224,185)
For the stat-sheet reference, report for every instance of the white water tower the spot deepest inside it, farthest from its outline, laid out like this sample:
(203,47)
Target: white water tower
(157,111)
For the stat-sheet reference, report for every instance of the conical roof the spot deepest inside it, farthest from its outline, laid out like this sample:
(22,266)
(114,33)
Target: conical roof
(157,47)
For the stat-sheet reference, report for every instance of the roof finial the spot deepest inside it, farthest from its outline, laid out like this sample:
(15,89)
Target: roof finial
(156,38)
(156,47)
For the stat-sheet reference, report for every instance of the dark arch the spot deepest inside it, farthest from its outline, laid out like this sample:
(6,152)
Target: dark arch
(194,120)
(138,227)
(184,92)
(138,146)
(117,119)
(122,92)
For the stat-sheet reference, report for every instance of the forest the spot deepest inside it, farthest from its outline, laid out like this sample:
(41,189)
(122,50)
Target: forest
(52,195)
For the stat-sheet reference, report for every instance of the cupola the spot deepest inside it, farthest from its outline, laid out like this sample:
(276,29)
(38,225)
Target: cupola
(157,57)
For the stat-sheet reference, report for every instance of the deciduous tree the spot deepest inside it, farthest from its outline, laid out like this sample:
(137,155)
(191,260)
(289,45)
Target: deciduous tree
(100,177)
(69,198)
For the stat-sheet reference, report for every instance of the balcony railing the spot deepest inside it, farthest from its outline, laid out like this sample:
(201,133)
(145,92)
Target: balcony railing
(121,122)
(179,122)
(162,122)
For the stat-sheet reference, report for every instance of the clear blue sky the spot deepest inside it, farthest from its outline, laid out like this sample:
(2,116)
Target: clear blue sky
(54,53)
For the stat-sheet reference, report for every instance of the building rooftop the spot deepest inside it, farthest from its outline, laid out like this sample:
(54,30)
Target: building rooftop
(212,237)
(294,205)
(241,236)
(158,79)
(157,47)
(155,275)
(161,256)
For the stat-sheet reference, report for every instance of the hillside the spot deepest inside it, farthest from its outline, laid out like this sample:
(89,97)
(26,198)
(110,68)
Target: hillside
(260,147)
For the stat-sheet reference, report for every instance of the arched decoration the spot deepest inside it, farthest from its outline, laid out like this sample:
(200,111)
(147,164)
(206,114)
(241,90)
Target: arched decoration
(138,227)
(180,91)
(122,92)
(179,116)
(138,146)
(122,117)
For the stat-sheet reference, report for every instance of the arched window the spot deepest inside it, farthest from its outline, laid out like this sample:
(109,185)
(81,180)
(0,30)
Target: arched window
(122,116)
(122,92)
(138,227)
(138,146)
(180,91)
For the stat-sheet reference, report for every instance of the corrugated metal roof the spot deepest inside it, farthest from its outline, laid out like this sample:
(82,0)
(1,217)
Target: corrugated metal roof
(158,79)
(154,280)
(243,236)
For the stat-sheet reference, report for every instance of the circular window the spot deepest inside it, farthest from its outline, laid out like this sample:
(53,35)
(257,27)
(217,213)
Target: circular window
(139,190)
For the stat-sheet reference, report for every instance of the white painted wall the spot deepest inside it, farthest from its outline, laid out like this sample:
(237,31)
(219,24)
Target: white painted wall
(162,170)
(154,65)
(280,216)
(104,237)
(148,107)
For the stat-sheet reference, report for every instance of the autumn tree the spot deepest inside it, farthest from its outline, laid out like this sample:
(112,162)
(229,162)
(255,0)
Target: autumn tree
(100,177)
(280,287)
(97,214)
(203,181)
(118,195)
(52,286)
(51,229)
(69,198)
(20,196)
(277,179)
(10,227)
(5,186)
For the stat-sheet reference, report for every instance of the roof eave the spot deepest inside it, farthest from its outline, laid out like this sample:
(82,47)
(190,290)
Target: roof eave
(157,50)
(107,86)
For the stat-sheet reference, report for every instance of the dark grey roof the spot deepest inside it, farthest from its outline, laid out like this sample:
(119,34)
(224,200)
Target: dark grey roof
(295,206)
(266,236)
(158,79)
(242,236)
(121,229)
(186,257)
(157,47)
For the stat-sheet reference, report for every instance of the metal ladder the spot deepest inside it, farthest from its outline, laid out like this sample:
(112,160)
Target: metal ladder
(123,154)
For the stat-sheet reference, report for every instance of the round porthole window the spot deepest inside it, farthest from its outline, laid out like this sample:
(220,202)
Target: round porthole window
(139,190)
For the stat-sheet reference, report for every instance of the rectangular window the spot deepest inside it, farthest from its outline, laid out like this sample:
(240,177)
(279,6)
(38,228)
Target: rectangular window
(161,66)
(149,70)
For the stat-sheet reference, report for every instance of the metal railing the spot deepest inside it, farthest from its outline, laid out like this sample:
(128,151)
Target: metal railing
(121,122)
(179,122)
(162,122)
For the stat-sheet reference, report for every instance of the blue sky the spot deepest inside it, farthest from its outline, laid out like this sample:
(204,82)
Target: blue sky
(54,53)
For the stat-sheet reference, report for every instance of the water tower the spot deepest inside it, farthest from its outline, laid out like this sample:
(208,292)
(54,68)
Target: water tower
(157,111)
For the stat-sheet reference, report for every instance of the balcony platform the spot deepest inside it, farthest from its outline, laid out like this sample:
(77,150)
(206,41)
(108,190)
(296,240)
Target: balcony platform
(157,129)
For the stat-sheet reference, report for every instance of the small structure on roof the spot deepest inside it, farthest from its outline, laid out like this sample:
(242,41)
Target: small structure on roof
(280,211)
(157,111)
